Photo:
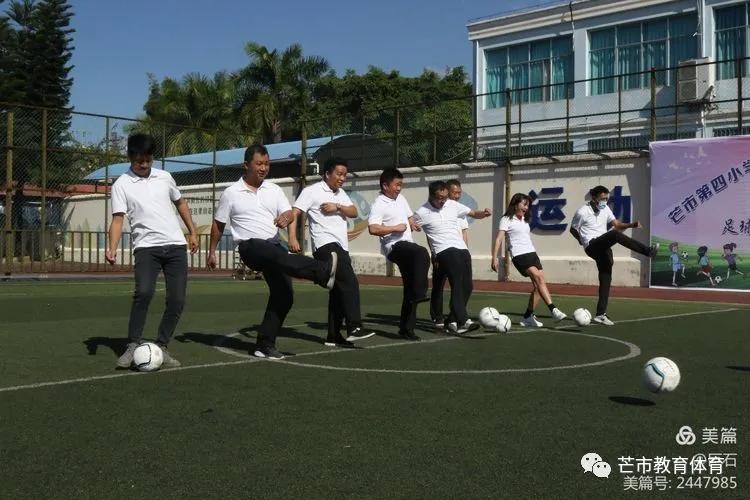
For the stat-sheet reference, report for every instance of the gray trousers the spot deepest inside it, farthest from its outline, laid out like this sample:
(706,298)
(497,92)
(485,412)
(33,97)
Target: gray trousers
(172,259)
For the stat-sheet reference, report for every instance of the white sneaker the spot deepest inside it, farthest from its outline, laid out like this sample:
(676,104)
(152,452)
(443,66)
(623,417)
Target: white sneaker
(558,315)
(358,334)
(602,319)
(532,322)
(463,329)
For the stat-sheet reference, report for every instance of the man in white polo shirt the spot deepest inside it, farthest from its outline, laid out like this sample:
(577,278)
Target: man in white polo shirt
(328,208)
(439,218)
(256,210)
(590,228)
(392,220)
(148,196)
(438,273)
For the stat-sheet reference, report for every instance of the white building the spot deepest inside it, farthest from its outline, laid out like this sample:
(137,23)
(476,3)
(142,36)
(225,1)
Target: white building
(585,66)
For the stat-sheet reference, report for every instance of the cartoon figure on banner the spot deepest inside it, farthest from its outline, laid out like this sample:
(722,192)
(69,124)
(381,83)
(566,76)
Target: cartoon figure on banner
(705,264)
(677,264)
(731,259)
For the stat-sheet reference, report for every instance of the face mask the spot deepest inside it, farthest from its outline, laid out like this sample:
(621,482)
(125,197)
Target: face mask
(601,205)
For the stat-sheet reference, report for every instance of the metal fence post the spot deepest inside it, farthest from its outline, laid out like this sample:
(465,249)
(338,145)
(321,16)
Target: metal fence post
(653,104)
(9,243)
(43,207)
(619,111)
(520,120)
(396,140)
(362,141)
(163,145)
(739,95)
(213,172)
(676,103)
(106,173)
(303,158)
(568,145)
(508,118)
(474,129)
(434,135)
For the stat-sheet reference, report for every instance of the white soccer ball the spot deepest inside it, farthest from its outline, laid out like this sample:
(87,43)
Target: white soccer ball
(488,317)
(582,316)
(684,255)
(148,357)
(661,375)
(717,279)
(503,324)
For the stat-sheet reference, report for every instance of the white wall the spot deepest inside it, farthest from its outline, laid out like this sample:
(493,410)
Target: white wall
(484,187)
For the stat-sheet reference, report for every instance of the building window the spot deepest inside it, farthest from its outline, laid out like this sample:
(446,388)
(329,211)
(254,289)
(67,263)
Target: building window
(539,68)
(630,50)
(731,39)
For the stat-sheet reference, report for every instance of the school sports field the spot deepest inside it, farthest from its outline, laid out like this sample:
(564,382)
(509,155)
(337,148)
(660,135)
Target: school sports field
(484,417)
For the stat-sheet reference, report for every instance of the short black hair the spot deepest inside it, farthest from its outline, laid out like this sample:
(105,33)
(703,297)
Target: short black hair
(332,162)
(436,186)
(255,148)
(453,182)
(596,191)
(141,144)
(388,174)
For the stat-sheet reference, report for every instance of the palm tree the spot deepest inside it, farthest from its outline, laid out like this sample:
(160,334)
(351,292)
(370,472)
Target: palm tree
(201,108)
(275,88)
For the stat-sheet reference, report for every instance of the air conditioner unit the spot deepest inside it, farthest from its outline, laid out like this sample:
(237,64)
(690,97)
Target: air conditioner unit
(695,78)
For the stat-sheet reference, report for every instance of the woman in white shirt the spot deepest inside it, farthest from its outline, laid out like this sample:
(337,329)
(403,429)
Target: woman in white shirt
(515,224)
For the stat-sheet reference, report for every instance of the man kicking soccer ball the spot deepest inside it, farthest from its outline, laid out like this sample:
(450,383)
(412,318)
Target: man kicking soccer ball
(255,210)
(392,220)
(328,207)
(440,219)
(589,228)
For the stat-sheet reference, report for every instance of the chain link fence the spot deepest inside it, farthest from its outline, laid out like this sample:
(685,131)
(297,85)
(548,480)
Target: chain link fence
(57,168)
(598,115)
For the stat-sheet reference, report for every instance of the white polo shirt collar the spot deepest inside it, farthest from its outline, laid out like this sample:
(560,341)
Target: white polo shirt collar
(391,212)
(149,207)
(251,213)
(325,229)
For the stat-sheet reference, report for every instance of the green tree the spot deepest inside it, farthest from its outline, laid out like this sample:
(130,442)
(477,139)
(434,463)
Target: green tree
(38,63)
(433,112)
(199,109)
(276,88)
(7,44)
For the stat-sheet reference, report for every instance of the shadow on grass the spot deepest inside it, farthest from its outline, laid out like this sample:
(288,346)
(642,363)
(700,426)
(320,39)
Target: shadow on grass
(392,320)
(116,345)
(244,343)
(627,400)
(213,339)
(739,368)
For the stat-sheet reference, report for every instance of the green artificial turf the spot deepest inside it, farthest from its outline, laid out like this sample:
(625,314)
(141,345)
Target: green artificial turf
(349,424)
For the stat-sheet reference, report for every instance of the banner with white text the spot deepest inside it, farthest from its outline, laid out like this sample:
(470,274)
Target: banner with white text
(700,213)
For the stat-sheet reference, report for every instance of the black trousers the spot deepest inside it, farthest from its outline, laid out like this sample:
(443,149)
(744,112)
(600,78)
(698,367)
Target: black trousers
(413,262)
(343,299)
(456,265)
(600,249)
(277,266)
(172,259)
(436,296)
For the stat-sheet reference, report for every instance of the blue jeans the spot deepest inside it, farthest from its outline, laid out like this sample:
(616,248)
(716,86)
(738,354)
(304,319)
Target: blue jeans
(172,259)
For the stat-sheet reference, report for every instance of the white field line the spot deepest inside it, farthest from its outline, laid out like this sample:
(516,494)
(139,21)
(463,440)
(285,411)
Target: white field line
(248,359)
